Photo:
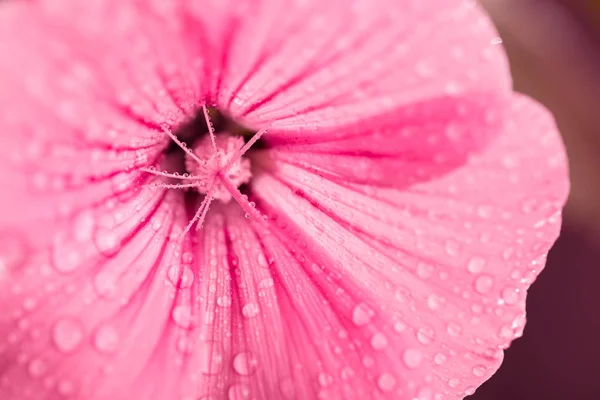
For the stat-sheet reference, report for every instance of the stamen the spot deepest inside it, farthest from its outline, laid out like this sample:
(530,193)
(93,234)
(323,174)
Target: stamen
(241,199)
(201,212)
(156,172)
(238,154)
(174,186)
(182,145)
(211,128)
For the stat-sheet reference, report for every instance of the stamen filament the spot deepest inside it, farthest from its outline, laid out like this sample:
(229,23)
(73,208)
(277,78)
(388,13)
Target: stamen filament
(211,128)
(201,212)
(169,175)
(239,197)
(182,145)
(236,156)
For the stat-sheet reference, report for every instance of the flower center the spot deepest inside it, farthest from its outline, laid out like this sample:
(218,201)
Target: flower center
(214,163)
(219,161)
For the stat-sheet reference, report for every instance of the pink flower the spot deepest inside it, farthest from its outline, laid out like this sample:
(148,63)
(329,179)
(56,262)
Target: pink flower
(400,199)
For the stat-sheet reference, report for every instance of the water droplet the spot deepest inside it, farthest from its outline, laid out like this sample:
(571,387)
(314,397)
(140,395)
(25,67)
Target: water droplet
(379,341)
(484,212)
(239,391)
(439,359)
(262,261)
(434,302)
(476,265)
(245,363)
(424,270)
(386,382)
(250,310)
(510,295)
(324,379)
(454,329)
(454,382)
(224,301)
(484,284)
(266,283)
(67,334)
(399,327)
(37,368)
(181,276)
(107,241)
(84,225)
(425,335)
(412,358)
(212,358)
(361,314)
(479,370)
(106,339)
(470,391)
(65,258)
(105,284)
(182,316)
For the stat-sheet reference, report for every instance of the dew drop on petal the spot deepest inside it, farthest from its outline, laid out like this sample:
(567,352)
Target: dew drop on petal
(510,295)
(470,391)
(224,301)
(361,314)
(266,283)
(250,310)
(180,276)
(386,382)
(244,363)
(238,391)
(67,335)
(412,358)
(425,335)
(476,265)
(479,370)
(182,316)
(211,358)
(484,284)
(399,327)
(439,359)
(106,339)
(379,341)
(454,382)
(37,368)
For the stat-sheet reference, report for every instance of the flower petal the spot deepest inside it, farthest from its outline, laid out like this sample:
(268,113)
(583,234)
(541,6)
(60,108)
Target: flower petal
(314,65)
(440,269)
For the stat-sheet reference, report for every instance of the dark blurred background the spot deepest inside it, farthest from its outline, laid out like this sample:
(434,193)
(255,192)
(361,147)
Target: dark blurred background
(554,49)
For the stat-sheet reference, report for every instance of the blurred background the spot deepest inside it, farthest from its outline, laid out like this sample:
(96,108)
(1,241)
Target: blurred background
(554,50)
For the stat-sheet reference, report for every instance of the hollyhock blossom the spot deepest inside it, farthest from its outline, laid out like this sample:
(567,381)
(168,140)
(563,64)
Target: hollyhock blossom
(267,199)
